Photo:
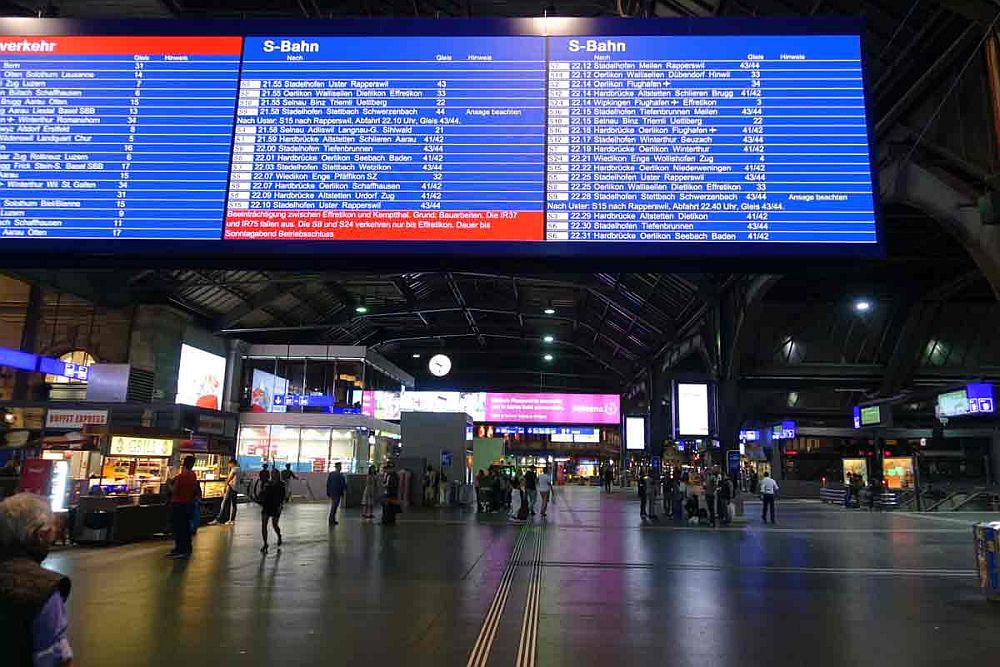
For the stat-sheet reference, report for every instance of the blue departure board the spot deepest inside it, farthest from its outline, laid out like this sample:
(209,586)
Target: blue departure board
(708,139)
(389,138)
(588,144)
(104,138)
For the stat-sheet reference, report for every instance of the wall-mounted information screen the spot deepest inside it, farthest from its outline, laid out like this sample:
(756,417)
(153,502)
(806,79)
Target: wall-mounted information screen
(389,138)
(609,143)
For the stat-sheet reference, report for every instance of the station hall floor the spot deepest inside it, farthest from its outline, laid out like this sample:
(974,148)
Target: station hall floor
(589,585)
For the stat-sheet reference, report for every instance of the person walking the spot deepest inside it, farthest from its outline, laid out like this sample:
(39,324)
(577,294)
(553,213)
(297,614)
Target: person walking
(710,487)
(669,487)
(857,483)
(681,496)
(263,476)
(726,492)
(336,487)
(522,506)
(531,489)
(287,475)
(185,491)
(430,487)
(479,482)
(641,487)
(227,513)
(32,598)
(370,494)
(768,490)
(874,494)
(544,484)
(271,500)
(390,502)
(652,495)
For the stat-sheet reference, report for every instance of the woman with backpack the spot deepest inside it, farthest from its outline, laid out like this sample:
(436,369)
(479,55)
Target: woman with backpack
(271,499)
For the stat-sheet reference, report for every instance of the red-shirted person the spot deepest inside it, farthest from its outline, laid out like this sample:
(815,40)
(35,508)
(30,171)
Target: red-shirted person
(185,491)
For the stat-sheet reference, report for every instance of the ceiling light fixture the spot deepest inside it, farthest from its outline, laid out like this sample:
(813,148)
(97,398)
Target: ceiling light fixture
(416,355)
(862,305)
(361,309)
(548,357)
(549,339)
(550,311)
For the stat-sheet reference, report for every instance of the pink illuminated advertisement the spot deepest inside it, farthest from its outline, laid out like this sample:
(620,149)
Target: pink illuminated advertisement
(553,408)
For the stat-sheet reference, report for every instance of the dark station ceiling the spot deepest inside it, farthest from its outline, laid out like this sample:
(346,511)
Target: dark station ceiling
(610,325)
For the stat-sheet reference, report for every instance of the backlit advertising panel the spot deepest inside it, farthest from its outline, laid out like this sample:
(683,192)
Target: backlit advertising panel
(635,433)
(265,387)
(692,409)
(200,378)
(499,407)
(554,408)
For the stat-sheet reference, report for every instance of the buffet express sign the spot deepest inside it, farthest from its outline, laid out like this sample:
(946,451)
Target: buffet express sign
(129,446)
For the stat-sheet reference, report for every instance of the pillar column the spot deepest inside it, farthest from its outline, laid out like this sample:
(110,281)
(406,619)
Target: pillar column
(994,457)
(155,345)
(659,424)
(29,340)
(233,391)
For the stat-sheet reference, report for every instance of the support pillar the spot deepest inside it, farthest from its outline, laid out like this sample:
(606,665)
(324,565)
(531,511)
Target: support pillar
(29,340)
(157,336)
(994,457)
(659,424)
(233,391)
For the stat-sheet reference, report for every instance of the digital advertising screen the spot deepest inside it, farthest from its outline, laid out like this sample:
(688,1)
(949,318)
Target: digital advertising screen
(499,407)
(692,409)
(635,433)
(201,378)
(573,137)
(267,386)
(554,408)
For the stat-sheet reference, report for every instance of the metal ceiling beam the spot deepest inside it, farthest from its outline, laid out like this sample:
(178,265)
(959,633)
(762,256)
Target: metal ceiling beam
(580,348)
(460,300)
(957,49)
(652,291)
(411,299)
(517,302)
(250,305)
(583,284)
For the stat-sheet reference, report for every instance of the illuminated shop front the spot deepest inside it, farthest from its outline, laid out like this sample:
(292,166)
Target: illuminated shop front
(354,441)
(307,449)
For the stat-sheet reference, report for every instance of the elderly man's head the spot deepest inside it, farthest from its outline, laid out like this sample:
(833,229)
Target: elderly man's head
(26,527)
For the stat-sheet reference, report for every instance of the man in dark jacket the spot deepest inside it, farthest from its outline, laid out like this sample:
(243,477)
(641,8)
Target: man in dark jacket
(725,495)
(390,503)
(33,619)
(336,487)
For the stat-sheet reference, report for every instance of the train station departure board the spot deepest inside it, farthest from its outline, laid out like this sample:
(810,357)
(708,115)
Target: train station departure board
(388,138)
(106,138)
(656,143)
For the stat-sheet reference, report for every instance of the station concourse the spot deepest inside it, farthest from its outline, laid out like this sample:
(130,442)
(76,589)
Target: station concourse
(498,332)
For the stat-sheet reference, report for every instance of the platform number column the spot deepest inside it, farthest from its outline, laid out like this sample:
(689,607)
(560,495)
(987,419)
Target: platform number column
(557,169)
(244,143)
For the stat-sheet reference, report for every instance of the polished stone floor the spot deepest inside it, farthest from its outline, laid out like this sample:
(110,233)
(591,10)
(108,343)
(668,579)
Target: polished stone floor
(589,585)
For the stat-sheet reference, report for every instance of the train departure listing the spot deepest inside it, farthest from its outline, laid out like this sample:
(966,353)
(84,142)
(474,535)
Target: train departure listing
(115,137)
(650,141)
(708,139)
(389,138)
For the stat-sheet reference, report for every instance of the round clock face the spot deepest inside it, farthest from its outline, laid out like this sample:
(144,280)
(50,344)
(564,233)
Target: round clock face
(439,365)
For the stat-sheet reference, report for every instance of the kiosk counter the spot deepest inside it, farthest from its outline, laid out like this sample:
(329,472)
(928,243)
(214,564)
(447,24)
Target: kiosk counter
(126,499)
